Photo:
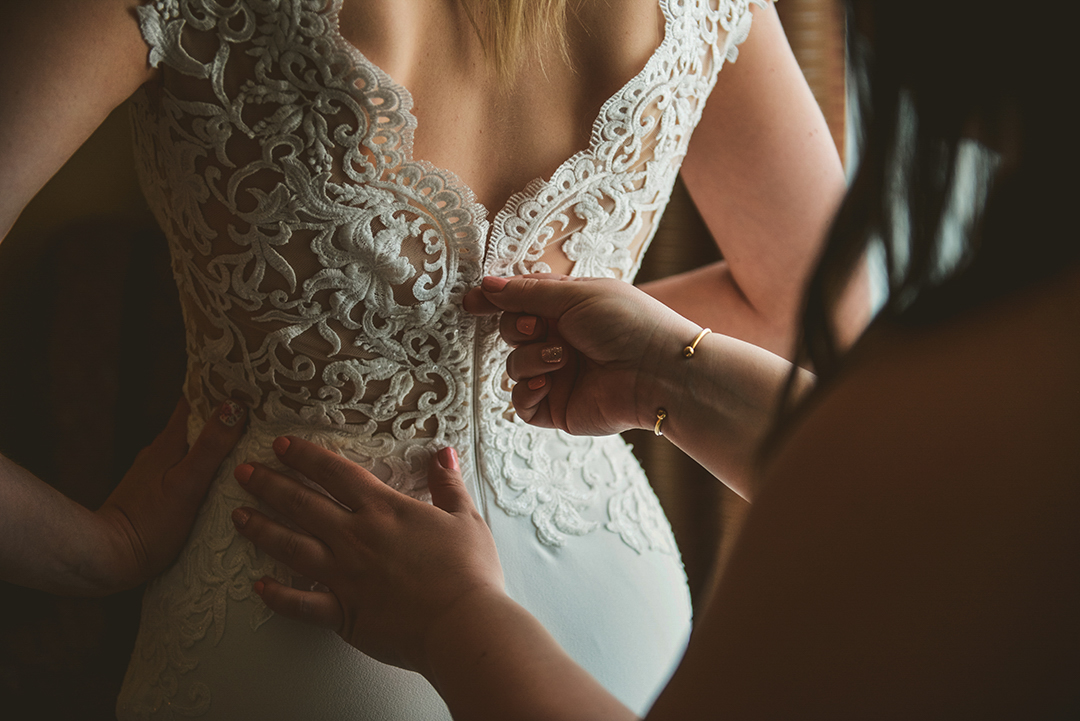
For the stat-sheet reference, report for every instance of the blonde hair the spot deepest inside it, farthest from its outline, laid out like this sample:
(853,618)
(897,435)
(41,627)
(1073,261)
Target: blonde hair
(512,29)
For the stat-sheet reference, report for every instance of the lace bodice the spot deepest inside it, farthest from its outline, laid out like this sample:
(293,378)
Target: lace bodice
(321,266)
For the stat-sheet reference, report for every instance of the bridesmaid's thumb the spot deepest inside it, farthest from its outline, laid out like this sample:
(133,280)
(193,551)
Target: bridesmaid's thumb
(445,483)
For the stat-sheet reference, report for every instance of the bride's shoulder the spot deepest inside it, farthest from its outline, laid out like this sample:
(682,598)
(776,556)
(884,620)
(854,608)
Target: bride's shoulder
(66,66)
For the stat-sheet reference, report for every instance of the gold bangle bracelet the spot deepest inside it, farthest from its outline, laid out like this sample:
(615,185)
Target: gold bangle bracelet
(688,351)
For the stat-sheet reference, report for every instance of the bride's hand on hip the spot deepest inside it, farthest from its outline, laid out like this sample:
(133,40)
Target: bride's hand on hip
(52,543)
(589,352)
(396,567)
(149,514)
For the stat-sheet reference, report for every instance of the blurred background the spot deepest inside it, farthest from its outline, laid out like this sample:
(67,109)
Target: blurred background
(93,361)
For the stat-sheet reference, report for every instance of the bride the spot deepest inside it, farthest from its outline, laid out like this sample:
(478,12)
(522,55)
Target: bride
(332,176)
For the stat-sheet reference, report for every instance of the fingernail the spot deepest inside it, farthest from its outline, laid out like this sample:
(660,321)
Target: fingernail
(243,473)
(493,284)
(526,324)
(551,354)
(259,587)
(448,459)
(281,444)
(231,413)
(537,383)
(240,517)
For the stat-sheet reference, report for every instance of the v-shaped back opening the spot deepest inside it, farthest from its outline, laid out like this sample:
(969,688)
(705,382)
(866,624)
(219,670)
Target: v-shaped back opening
(536,181)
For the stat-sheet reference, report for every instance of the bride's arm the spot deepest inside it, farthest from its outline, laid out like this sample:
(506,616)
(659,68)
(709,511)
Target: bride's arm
(766,178)
(50,542)
(64,66)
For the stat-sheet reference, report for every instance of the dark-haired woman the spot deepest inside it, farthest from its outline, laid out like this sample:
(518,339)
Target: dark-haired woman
(913,550)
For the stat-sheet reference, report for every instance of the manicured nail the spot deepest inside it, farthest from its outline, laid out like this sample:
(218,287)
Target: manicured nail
(240,517)
(492,284)
(551,354)
(526,324)
(537,383)
(243,473)
(259,587)
(231,413)
(448,459)
(281,444)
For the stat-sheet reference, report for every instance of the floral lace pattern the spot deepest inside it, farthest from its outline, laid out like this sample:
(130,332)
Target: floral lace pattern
(321,269)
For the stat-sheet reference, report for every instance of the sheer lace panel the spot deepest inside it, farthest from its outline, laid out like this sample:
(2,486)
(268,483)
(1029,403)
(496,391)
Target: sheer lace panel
(320,267)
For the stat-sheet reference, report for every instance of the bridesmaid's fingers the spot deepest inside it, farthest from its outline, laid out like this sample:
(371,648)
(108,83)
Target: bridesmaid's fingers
(476,302)
(536,359)
(298,551)
(542,293)
(530,401)
(344,480)
(564,387)
(315,607)
(516,328)
(446,485)
(302,505)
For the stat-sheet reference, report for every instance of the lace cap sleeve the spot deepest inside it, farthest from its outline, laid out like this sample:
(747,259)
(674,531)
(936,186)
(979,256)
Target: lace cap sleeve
(168,25)
(738,26)
(161,26)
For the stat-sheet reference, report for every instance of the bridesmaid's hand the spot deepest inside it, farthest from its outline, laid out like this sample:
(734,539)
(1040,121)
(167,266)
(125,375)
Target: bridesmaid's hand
(148,516)
(593,356)
(396,567)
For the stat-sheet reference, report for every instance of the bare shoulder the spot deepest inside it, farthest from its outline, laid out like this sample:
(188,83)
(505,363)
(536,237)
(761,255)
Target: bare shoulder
(915,546)
(105,24)
(64,65)
(1027,336)
(1006,371)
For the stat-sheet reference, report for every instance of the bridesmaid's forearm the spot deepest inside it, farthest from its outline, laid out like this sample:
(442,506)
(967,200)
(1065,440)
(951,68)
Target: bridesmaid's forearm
(491,660)
(720,404)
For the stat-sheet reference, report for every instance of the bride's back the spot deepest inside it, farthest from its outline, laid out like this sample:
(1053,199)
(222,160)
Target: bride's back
(498,136)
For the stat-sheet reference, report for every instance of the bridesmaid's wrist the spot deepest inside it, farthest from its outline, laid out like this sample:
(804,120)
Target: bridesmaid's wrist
(665,376)
(468,630)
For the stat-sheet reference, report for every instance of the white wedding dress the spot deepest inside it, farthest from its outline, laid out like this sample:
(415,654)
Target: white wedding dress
(321,269)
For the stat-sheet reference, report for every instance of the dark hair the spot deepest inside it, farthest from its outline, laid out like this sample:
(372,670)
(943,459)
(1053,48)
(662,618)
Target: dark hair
(927,74)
